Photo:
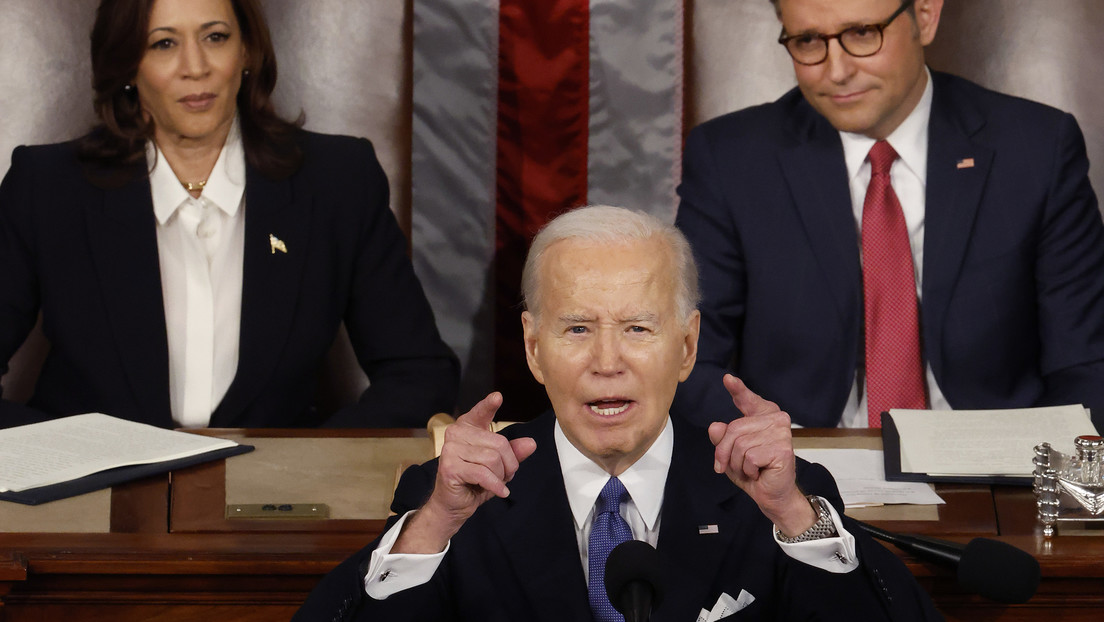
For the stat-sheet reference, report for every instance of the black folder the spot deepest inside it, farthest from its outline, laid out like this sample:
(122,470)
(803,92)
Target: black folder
(891,452)
(112,477)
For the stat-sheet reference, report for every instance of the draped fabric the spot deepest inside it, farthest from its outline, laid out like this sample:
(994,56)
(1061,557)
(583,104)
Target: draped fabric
(523,110)
(357,66)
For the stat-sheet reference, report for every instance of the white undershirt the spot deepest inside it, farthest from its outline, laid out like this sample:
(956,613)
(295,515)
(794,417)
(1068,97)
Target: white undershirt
(909,178)
(389,573)
(200,246)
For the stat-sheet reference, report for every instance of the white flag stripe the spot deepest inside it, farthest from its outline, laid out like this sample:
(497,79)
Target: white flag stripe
(635,141)
(453,175)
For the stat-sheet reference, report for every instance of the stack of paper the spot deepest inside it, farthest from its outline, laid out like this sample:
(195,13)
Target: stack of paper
(62,450)
(941,445)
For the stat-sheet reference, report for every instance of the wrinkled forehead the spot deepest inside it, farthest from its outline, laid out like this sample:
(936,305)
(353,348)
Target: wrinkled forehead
(580,272)
(829,16)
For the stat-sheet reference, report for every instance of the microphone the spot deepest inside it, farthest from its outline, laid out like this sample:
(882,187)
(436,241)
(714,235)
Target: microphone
(990,568)
(634,582)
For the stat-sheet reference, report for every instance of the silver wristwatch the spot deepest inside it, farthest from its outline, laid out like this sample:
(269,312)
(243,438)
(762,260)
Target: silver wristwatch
(822,528)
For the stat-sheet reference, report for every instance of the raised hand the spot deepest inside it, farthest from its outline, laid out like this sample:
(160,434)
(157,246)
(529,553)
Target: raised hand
(756,452)
(475,465)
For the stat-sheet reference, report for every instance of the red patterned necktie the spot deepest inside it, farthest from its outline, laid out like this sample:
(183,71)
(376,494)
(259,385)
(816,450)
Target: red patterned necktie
(894,368)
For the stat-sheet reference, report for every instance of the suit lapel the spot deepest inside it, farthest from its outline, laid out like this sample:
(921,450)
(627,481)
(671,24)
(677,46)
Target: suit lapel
(817,178)
(537,533)
(122,236)
(270,285)
(694,500)
(957,171)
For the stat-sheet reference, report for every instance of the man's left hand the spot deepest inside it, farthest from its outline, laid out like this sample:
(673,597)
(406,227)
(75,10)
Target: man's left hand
(756,452)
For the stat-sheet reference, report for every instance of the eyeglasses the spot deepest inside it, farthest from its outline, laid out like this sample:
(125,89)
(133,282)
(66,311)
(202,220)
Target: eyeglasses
(862,40)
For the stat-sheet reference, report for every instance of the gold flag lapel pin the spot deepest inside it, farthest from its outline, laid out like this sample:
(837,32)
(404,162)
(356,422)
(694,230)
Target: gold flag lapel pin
(965,163)
(276,244)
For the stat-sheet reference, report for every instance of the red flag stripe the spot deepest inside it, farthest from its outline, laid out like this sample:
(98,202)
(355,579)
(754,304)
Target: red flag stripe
(541,161)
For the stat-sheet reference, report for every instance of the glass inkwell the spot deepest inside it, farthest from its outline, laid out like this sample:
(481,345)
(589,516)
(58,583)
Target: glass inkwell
(1069,487)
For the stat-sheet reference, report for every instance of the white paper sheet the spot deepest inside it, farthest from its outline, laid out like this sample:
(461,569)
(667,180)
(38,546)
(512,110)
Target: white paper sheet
(860,475)
(984,442)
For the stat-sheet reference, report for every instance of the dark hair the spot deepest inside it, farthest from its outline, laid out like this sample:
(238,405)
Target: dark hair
(778,10)
(117,144)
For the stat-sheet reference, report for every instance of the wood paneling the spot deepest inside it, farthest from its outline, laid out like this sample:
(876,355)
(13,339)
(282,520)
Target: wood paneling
(258,570)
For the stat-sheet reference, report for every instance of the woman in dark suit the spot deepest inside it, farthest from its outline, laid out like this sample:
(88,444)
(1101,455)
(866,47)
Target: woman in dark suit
(194,255)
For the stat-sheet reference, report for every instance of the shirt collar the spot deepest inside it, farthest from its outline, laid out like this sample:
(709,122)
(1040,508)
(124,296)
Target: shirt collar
(644,480)
(225,186)
(909,140)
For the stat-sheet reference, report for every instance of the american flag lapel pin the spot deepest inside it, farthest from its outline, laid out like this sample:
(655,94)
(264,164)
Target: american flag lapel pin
(965,163)
(707,529)
(276,244)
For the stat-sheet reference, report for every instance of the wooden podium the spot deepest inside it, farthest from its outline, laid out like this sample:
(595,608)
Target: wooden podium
(167,549)
(164,549)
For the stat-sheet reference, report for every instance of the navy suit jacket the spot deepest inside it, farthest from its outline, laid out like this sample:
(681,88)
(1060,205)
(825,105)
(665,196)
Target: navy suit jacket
(86,258)
(1012,308)
(518,558)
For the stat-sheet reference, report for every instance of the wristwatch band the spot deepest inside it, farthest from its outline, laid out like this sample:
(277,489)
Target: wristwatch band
(822,528)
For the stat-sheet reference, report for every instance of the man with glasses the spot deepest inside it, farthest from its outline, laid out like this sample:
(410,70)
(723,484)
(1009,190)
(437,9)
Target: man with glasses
(886,236)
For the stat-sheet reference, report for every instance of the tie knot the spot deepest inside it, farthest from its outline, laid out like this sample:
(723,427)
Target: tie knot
(881,158)
(609,500)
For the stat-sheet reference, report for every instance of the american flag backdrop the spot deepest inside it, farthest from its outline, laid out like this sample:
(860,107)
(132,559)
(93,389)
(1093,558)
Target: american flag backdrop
(523,109)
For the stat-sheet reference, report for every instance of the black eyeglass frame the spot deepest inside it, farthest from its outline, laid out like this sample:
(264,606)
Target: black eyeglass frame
(784,40)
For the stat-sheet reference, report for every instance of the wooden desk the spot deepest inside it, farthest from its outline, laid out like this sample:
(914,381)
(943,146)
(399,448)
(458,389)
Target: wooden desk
(1072,566)
(171,555)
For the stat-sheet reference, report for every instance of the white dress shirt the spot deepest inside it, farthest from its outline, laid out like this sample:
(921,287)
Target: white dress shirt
(644,481)
(583,480)
(200,246)
(909,178)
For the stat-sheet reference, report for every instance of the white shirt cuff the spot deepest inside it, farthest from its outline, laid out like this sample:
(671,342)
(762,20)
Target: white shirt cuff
(392,573)
(836,554)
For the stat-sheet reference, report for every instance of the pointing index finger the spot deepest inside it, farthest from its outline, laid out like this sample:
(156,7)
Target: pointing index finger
(746,400)
(482,414)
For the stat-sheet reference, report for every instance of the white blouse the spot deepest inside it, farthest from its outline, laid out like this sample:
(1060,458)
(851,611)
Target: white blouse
(200,246)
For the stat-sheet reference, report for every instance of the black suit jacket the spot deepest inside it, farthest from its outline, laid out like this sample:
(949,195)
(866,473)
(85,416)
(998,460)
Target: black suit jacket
(518,559)
(86,258)
(1012,309)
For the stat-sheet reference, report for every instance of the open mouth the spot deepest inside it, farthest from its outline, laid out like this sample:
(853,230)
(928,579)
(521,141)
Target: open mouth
(610,407)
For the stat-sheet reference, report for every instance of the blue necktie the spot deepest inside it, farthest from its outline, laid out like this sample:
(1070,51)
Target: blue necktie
(607,531)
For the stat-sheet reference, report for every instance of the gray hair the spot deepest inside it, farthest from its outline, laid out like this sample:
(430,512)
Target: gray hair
(609,224)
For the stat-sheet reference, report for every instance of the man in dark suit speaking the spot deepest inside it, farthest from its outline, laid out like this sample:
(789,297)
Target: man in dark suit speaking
(517,526)
(885,236)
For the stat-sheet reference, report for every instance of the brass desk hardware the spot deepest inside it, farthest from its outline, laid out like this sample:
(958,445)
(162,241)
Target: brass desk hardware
(278,510)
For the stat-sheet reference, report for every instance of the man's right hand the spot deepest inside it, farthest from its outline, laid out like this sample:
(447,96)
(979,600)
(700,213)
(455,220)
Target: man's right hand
(475,465)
